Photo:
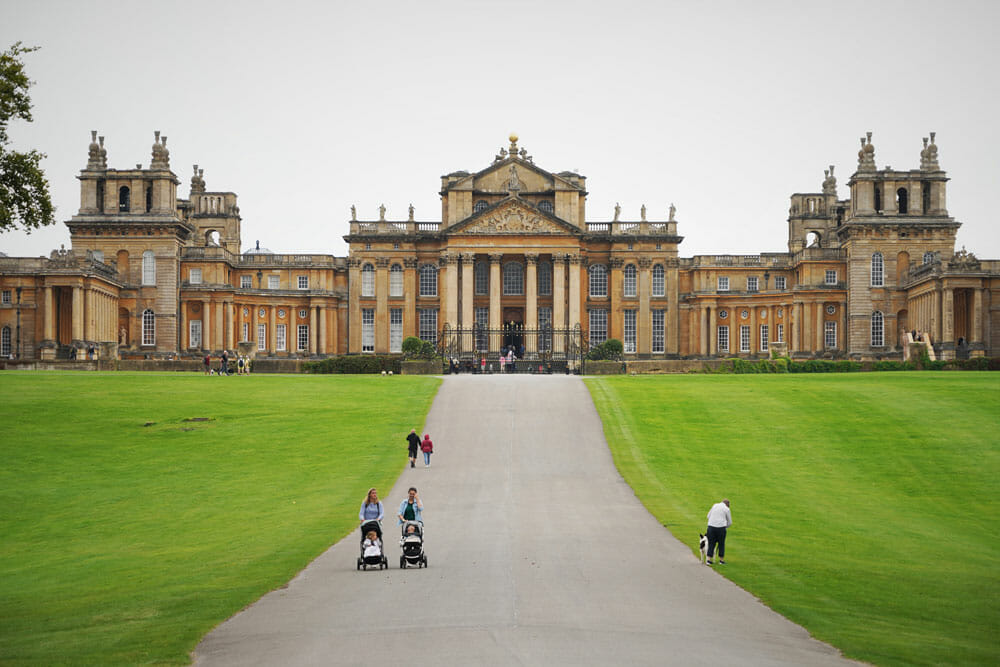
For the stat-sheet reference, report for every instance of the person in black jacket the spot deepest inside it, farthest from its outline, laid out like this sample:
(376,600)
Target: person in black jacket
(414,443)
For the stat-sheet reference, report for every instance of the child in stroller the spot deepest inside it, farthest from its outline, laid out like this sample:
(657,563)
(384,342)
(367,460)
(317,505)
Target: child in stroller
(371,546)
(411,542)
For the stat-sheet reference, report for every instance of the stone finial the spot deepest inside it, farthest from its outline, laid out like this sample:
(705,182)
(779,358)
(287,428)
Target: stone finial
(866,156)
(673,211)
(618,211)
(928,156)
(197,182)
(642,213)
(161,156)
(104,153)
(94,153)
(513,145)
(829,182)
(354,213)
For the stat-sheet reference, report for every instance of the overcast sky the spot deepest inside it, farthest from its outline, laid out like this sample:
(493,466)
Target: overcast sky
(723,108)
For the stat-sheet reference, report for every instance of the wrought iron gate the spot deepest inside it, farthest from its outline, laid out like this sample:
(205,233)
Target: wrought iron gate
(564,347)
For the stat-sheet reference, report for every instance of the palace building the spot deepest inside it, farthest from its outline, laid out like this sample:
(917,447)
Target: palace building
(512,262)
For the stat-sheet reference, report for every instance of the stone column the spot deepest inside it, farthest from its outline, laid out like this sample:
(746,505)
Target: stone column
(409,300)
(842,334)
(313,329)
(381,305)
(77,313)
(558,300)
(672,319)
(531,293)
(797,325)
(936,318)
(220,325)
(819,328)
(575,264)
(88,314)
(185,329)
(704,316)
(272,330)
(322,313)
(450,301)
(230,327)
(495,314)
(644,318)
(713,340)
(948,317)
(50,319)
(754,331)
(206,328)
(468,291)
(976,335)
(354,301)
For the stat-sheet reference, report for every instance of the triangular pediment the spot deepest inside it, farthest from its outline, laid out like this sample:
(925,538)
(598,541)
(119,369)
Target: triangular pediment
(513,175)
(512,216)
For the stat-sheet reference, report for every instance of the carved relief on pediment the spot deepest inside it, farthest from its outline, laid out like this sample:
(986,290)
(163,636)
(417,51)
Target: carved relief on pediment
(512,220)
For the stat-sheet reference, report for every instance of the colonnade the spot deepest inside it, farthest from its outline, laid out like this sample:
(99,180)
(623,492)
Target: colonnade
(225,323)
(802,327)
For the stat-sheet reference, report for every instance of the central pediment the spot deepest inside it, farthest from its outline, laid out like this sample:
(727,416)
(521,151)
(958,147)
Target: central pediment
(512,216)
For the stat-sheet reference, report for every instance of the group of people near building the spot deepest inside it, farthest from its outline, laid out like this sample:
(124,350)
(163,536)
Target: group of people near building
(242,364)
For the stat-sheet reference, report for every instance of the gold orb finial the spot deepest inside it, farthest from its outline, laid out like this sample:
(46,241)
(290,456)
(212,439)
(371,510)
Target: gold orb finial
(513,138)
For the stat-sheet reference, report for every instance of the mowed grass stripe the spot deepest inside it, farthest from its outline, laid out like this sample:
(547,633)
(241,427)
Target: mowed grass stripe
(864,504)
(122,543)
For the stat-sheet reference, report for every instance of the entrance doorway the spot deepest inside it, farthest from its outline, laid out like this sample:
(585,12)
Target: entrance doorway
(513,330)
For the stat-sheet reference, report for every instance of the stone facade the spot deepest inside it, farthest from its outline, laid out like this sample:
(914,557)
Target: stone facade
(512,253)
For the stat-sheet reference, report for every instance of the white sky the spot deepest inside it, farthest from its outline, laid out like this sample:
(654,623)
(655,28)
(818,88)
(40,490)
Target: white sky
(723,108)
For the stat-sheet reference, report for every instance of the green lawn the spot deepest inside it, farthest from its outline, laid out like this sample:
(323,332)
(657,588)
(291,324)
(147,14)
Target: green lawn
(124,543)
(865,506)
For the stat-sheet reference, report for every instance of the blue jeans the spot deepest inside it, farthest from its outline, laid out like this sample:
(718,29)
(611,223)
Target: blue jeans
(427,458)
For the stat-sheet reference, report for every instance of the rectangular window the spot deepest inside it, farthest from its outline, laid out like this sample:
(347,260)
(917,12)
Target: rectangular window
(481,280)
(744,338)
(303,282)
(273,282)
(396,280)
(246,332)
(303,337)
(630,278)
(282,343)
(428,280)
(659,280)
(780,283)
(194,276)
(723,283)
(395,330)
(261,337)
(367,329)
(5,347)
(751,283)
(482,322)
(629,332)
(429,324)
(724,339)
(830,335)
(367,280)
(779,333)
(246,282)
(831,277)
(544,277)
(658,331)
(764,338)
(6,296)
(545,324)
(194,333)
(598,326)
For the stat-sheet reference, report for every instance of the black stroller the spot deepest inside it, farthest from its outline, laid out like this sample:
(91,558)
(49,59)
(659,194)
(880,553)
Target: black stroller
(411,542)
(371,558)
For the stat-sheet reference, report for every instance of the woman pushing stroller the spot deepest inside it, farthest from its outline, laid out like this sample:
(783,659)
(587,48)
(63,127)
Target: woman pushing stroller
(411,523)
(370,516)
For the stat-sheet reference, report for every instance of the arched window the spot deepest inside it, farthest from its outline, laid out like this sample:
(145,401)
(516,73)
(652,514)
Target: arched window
(659,280)
(482,278)
(513,279)
(928,258)
(878,270)
(544,279)
(396,280)
(5,342)
(481,205)
(428,280)
(148,268)
(598,280)
(630,275)
(148,327)
(545,206)
(878,329)
(902,202)
(368,280)
(123,199)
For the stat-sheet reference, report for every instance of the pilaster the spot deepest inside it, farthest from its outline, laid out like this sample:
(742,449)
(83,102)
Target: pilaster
(495,314)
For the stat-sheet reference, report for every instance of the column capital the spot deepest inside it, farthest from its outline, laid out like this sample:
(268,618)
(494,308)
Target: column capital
(446,258)
(531,258)
(410,262)
(616,262)
(468,257)
(495,258)
(353,262)
(645,262)
(575,258)
(382,262)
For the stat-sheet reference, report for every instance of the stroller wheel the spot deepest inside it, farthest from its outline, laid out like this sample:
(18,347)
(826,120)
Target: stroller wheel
(424,560)
(359,563)
(402,562)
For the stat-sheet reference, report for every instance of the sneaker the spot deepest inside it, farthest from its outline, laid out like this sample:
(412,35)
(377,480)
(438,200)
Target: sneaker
(708,562)
(722,562)
(411,465)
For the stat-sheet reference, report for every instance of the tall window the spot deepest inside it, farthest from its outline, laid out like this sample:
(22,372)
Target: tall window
(779,333)
(482,278)
(545,206)
(481,205)
(544,279)
(723,333)
(428,324)
(124,202)
(751,283)
(367,329)
(831,277)
(5,298)
(194,276)
(630,280)
(878,268)
(368,280)
(428,280)
(598,280)
(246,282)
(303,337)
(148,327)
(598,326)
(303,282)
(246,332)
(659,280)
(765,341)
(274,282)
(928,257)
(148,268)
(513,279)
(194,333)
(395,330)
(658,331)
(545,325)
(396,280)
(744,338)
(723,284)
(482,322)
(261,337)
(780,283)
(5,342)
(878,329)
(830,335)
(629,331)
(281,332)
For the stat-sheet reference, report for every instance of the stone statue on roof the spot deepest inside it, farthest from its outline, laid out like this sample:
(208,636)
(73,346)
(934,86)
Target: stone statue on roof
(673,210)
(618,211)
(354,212)
(642,213)
(381,212)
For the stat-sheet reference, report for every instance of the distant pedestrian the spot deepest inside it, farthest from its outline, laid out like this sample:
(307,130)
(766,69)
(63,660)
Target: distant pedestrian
(427,447)
(719,519)
(503,362)
(413,442)
(224,363)
(482,365)
(239,365)
(208,364)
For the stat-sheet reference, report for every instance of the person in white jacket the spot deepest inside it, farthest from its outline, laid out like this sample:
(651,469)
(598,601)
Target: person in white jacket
(719,519)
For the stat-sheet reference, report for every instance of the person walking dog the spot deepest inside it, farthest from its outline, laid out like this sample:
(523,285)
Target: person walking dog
(427,447)
(719,519)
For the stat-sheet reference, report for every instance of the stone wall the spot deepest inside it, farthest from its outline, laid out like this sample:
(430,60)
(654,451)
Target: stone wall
(669,366)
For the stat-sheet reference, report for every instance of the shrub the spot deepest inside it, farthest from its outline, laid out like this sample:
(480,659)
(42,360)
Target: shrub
(416,348)
(611,350)
(354,364)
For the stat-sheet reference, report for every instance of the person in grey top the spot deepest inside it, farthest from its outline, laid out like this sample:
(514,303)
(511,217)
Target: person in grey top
(719,519)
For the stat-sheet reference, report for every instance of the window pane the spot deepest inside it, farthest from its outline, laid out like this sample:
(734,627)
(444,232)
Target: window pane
(744,338)
(598,280)
(303,337)
(482,280)
(368,280)
(659,281)
(428,324)
(877,267)
(428,280)
(723,283)
(396,280)
(658,331)
(303,282)
(396,330)
(878,333)
(764,338)
(195,334)
(830,334)
(274,282)
(282,344)
(629,332)
(246,282)
(513,279)
(724,339)
(630,280)
(148,268)
(544,279)
(261,337)
(598,327)
(148,328)
(367,329)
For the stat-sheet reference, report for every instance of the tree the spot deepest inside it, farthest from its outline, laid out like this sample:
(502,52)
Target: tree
(24,190)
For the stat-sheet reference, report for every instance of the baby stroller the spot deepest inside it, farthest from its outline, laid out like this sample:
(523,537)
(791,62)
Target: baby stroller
(375,560)
(412,543)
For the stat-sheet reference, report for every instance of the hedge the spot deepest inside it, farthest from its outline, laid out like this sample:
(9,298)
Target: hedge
(355,363)
(786,365)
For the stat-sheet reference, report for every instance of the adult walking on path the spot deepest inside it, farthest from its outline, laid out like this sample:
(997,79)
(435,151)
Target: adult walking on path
(427,447)
(719,519)
(411,509)
(413,444)
(530,567)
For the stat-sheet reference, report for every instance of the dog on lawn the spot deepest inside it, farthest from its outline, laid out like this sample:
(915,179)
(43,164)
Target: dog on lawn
(703,547)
